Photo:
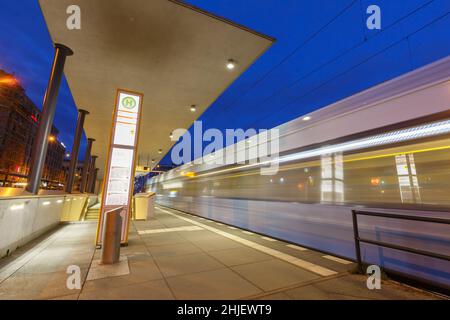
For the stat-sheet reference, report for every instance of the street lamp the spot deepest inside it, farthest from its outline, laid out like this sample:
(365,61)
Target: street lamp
(9,81)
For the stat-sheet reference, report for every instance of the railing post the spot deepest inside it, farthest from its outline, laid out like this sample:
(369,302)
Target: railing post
(357,242)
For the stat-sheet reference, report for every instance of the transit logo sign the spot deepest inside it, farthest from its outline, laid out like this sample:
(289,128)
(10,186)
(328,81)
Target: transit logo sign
(129,103)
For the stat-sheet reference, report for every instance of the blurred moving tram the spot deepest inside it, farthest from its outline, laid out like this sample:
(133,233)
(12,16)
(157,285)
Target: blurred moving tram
(385,149)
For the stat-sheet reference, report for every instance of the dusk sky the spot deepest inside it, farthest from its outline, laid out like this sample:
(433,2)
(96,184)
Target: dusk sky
(324,52)
(27,51)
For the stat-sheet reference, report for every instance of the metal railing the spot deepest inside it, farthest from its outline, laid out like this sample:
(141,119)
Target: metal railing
(358,239)
(5,181)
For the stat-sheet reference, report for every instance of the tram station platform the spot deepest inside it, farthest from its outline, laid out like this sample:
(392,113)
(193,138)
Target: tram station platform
(181,256)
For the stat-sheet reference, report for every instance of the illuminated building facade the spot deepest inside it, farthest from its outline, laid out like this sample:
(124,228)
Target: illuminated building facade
(19,118)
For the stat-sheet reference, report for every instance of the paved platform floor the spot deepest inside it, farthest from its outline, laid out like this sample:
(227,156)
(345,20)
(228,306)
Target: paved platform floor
(181,256)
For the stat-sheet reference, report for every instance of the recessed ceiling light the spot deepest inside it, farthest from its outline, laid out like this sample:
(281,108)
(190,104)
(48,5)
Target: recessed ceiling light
(307,118)
(171,136)
(160,151)
(231,64)
(193,108)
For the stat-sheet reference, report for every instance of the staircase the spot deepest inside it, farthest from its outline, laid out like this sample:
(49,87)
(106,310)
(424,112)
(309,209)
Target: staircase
(93,213)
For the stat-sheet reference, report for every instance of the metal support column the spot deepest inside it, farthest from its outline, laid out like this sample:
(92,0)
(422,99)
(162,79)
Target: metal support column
(40,145)
(91,173)
(86,166)
(76,146)
(94,181)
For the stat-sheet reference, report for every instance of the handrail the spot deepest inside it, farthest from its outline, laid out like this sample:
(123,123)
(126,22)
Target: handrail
(402,217)
(43,196)
(85,209)
(358,239)
(25,176)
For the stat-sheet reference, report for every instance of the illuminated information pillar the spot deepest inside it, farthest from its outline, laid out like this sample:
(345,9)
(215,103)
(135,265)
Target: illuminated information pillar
(120,169)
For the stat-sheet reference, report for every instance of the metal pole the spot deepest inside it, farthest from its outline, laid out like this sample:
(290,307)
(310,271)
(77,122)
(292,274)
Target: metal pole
(94,181)
(357,242)
(40,145)
(91,173)
(76,146)
(86,165)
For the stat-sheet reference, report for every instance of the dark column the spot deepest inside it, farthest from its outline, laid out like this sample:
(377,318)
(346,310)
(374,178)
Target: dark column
(94,180)
(86,165)
(76,146)
(91,173)
(40,145)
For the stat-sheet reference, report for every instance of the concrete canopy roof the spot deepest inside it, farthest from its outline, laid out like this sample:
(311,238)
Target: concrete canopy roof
(172,53)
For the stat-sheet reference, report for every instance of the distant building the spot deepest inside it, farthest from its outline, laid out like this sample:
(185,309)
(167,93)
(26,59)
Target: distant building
(77,175)
(19,118)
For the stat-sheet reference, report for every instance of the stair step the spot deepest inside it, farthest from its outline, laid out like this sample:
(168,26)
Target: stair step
(92,214)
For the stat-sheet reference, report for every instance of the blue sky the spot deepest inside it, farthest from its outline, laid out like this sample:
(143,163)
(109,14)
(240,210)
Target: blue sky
(323,53)
(27,50)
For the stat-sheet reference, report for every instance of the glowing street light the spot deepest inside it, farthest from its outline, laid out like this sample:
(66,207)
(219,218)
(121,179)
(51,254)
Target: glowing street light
(9,81)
